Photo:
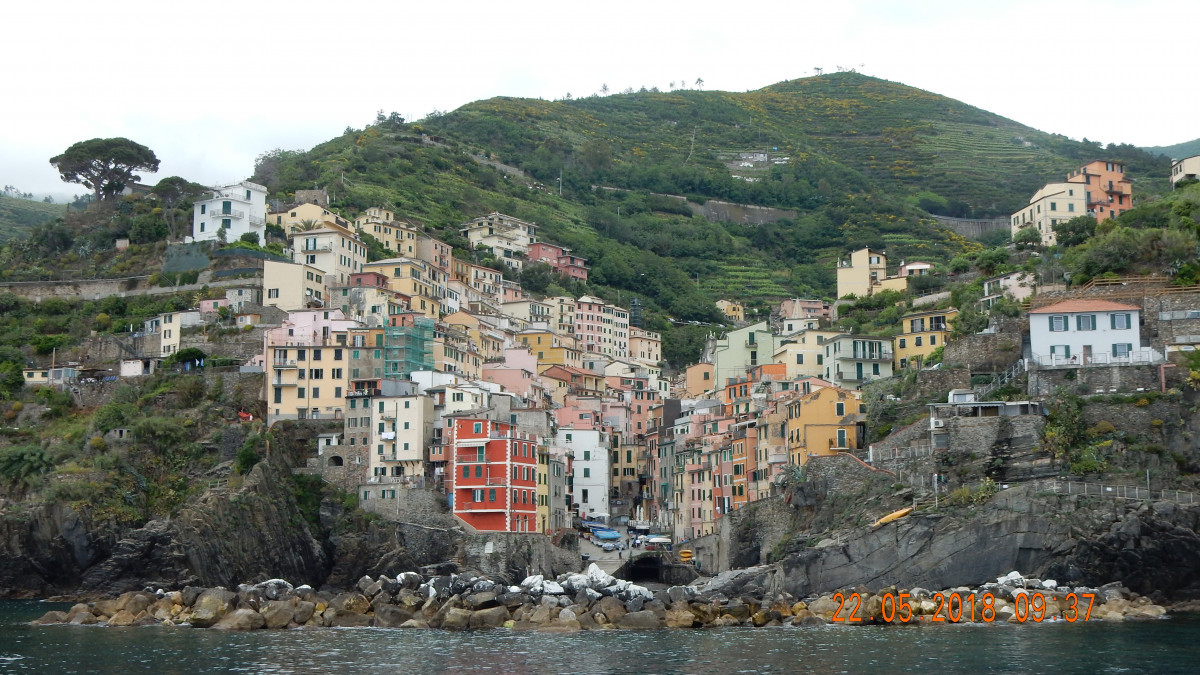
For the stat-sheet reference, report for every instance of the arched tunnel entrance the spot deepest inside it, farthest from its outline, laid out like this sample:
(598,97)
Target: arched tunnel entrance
(655,568)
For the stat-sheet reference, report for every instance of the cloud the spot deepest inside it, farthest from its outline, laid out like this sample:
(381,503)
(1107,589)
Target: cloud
(209,86)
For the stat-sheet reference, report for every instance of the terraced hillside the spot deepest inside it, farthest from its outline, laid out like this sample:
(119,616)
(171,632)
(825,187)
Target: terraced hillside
(19,216)
(850,130)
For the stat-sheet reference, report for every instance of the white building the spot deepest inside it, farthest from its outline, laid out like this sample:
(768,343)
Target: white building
(591,468)
(1187,168)
(169,327)
(854,360)
(1087,332)
(238,209)
(506,237)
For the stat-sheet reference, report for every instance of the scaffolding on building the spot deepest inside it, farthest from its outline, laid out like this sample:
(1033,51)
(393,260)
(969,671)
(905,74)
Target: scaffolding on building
(408,348)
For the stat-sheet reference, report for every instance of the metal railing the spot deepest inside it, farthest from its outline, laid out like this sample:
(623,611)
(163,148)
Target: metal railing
(1132,492)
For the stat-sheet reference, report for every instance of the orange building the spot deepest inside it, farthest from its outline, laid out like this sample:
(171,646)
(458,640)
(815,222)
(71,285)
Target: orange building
(493,475)
(1109,192)
(824,422)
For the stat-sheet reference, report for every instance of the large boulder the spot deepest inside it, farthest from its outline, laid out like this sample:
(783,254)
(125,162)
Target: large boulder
(344,618)
(241,619)
(52,616)
(122,618)
(279,613)
(638,620)
(352,602)
(391,616)
(84,619)
(457,619)
(680,618)
(135,602)
(210,606)
(493,617)
(611,607)
(481,600)
(304,611)
(275,589)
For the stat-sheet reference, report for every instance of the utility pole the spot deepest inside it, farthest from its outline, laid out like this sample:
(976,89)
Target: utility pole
(560,182)
(935,491)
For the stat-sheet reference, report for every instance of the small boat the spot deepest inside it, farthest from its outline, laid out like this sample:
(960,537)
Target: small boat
(895,515)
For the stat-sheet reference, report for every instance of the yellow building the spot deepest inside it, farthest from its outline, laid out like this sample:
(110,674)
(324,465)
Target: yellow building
(732,310)
(645,346)
(698,379)
(420,281)
(333,249)
(291,286)
(824,422)
(922,333)
(865,274)
(550,349)
(307,365)
(1053,204)
(398,237)
(306,217)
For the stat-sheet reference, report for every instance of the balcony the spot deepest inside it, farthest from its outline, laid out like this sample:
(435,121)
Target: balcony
(869,355)
(255,220)
(283,363)
(480,507)
(320,248)
(231,213)
(277,382)
(470,458)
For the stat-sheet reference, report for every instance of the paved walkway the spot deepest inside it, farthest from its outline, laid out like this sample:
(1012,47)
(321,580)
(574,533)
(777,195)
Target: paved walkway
(609,561)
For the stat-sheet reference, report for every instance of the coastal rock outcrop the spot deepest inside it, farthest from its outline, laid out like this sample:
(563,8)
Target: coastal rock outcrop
(1013,598)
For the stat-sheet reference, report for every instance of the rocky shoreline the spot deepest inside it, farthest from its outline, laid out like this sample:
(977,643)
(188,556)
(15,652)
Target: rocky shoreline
(596,600)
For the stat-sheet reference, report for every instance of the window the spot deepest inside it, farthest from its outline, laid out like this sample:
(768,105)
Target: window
(479,471)
(477,495)
(587,473)
(1121,351)
(316,355)
(1120,321)
(799,359)
(841,438)
(820,359)
(1085,322)
(932,340)
(839,408)
(299,392)
(273,293)
(466,472)
(478,427)
(337,392)
(1058,324)
(917,341)
(492,494)
(874,368)
(1060,350)
(903,343)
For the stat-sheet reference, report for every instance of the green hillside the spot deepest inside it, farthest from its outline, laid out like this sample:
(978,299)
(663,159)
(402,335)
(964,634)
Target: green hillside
(848,129)
(19,216)
(1177,151)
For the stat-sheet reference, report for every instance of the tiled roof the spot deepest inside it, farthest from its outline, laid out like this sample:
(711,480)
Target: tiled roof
(1070,306)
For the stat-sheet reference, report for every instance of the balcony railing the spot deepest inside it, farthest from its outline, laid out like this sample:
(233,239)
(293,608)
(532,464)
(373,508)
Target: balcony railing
(470,458)
(283,363)
(869,355)
(231,213)
(281,383)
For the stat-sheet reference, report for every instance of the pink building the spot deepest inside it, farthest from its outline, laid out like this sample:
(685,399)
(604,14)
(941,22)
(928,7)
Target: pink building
(560,258)
(211,306)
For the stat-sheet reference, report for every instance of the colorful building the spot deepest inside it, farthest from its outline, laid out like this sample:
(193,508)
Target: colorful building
(920,334)
(492,477)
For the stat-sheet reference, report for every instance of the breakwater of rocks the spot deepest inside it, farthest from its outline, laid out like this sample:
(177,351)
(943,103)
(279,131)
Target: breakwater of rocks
(596,600)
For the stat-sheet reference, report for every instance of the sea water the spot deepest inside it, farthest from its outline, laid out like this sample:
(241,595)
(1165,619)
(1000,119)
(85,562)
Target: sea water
(1160,646)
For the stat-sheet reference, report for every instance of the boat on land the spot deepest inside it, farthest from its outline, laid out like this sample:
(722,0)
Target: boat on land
(895,515)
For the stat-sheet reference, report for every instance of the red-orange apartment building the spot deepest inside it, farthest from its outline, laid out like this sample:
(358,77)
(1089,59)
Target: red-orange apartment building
(493,475)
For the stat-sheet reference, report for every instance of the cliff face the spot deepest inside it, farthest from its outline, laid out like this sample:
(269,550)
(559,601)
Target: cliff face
(1153,549)
(226,536)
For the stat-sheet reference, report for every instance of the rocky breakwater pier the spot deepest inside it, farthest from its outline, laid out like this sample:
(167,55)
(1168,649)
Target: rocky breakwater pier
(596,600)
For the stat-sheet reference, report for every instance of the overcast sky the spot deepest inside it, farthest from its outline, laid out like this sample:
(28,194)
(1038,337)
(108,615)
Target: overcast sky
(209,86)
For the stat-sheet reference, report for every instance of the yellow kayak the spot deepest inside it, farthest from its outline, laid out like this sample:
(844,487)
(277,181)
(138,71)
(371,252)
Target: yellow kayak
(892,516)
